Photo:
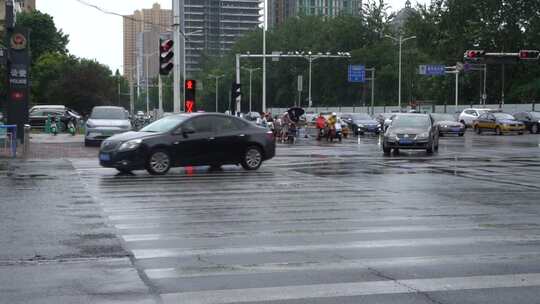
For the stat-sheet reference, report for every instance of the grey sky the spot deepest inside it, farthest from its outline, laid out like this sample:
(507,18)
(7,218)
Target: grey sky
(95,35)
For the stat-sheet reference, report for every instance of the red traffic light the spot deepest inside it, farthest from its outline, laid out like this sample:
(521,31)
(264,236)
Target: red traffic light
(474,54)
(190,84)
(166,55)
(529,55)
(166,45)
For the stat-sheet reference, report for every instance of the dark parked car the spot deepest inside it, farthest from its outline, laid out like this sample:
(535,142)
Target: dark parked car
(448,124)
(361,123)
(411,131)
(38,116)
(530,119)
(196,139)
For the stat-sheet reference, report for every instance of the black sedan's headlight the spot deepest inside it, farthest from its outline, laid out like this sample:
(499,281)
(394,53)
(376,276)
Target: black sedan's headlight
(130,145)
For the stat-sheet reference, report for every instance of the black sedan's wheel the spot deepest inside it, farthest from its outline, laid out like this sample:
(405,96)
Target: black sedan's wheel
(534,129)
(252,158)
(158,163)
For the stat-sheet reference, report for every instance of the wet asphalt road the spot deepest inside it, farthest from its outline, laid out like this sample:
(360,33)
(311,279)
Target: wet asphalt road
(330,223)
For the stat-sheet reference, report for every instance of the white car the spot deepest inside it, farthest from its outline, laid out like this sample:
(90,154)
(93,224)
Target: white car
(105,122)
(467,116)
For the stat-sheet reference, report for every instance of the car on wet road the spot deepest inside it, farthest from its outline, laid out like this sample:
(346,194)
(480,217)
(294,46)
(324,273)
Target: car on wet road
(362,123)
(106,121)
(411,131)
(468,116)
(530,119)
(499,123)
(198,139)
(448,124)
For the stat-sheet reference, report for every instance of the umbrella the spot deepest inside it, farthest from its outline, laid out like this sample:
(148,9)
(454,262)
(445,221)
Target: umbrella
(295,113)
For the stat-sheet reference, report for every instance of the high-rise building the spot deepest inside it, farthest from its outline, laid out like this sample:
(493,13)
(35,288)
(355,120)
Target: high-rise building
(141,41)
(18,6)
(212,27)
(26,5)
(280,10)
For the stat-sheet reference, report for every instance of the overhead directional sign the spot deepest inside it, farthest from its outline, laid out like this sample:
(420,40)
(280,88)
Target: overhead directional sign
(357,73)
(432,70)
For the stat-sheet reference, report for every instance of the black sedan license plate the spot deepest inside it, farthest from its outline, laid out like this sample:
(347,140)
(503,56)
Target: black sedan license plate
(104,157)
(405,141)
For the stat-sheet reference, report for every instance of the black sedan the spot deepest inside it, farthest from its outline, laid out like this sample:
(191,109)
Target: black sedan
(531,121)
(362,123)
(197,139)
(411,131)
(448,124)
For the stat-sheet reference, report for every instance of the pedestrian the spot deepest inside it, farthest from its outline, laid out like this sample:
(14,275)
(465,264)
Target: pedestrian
(320,124)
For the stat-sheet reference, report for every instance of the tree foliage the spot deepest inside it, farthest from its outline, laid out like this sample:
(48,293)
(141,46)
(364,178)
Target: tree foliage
(44,36)
(444,30)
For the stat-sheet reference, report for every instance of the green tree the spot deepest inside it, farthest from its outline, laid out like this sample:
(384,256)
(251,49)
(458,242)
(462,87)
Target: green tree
(44,37)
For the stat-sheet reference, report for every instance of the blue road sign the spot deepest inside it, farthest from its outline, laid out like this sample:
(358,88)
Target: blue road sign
(432,70)
(357,73)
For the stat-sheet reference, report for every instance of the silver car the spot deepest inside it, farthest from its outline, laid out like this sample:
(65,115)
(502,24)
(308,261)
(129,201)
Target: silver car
(105,122)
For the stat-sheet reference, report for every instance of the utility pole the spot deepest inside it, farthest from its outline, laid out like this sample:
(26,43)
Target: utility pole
(264,60)
(217,77)
(160,98)
(178,24)
(400,41)
(251,70)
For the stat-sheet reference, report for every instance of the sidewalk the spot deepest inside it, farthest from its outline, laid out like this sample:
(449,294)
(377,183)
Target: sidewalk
(56,246)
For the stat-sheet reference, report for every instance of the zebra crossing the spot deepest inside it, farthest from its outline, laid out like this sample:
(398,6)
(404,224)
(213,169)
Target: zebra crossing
(331,228)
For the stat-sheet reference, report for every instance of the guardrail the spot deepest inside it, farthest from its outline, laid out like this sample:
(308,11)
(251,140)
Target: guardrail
(8,140)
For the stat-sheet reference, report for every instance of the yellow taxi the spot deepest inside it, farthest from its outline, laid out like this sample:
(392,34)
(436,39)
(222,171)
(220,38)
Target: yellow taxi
(499,123)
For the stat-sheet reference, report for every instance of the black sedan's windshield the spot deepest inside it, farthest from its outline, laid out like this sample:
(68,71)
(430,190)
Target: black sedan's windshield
(409,121)
(443,117)
(165,124)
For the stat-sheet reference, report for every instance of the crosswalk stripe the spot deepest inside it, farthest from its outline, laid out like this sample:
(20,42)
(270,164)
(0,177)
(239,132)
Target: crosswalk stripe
(353,289)
(183,252)
(191,272)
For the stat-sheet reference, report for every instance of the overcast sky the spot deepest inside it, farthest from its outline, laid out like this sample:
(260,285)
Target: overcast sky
(95,35)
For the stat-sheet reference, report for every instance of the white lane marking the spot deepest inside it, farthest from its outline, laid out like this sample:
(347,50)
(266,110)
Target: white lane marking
(173,273)
(352,289)
(443,241)
(317,231)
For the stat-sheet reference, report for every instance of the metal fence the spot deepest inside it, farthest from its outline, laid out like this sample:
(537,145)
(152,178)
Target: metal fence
(510,108)
(8,141)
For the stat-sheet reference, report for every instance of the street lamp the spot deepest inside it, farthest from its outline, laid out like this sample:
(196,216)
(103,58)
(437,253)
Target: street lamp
(146,56)
(217,77)
(400,41)
(251,70)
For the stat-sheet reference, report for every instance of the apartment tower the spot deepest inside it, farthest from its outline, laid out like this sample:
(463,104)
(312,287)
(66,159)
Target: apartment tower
(141,41)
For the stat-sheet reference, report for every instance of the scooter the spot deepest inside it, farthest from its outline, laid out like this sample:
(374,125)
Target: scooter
(71,128)
(54,126)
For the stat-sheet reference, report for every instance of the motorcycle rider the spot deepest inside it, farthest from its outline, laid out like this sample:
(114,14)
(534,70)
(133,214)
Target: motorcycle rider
(320,123)
(331,126)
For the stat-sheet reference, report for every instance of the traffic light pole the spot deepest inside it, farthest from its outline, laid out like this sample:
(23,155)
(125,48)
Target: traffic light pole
(160,101)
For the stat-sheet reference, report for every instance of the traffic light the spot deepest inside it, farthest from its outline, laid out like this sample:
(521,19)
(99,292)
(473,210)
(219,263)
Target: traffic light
(235,90)
(190,87)
(529,55)
(474,54)
(165,56)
